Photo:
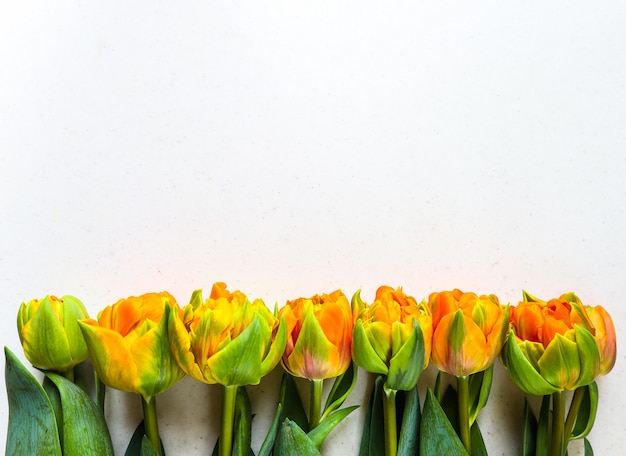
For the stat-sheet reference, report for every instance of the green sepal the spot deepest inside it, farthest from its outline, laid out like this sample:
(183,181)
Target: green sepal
(437,436)
(408,442)
(364,354)
(32,425)
(373,426)
(135,445)
(342,387)
(242,427)
(479,389)
(587,412)
(276,350)
(321,431)
(293,440)
(588,449)
(407,364)
(529,436)
(543,436)
(589,356)
(522,371)
(147,448)
(84,428)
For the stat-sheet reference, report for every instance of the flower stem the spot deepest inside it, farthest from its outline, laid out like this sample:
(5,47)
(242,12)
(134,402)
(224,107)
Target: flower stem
(462,384)
(150,422)
(390,426)
(316,403)
(572,414)
(228,419)
(558,419)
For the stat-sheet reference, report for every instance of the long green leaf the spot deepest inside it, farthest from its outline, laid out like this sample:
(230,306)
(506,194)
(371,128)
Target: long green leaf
(134,447)
(84,429)
(529,439)
(243,423)
(408,444)
(437,436)
(32,424)
(321,431)
(542,427)
(373,426)
(292,403)
(480,387)
(147,448)
(478,443)
(342,387)
(292,440)
(270,438)
(587,412)
(588,449)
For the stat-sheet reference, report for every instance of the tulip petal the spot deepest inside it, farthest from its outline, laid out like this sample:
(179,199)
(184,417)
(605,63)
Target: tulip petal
(180,345)
(239,362)
(522,371)
(313,355)
(277,349)
(589,357)
(364,354)
(560,363)
(406,366)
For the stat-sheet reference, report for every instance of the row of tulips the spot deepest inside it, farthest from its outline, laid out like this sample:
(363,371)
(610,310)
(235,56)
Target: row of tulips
(146,344)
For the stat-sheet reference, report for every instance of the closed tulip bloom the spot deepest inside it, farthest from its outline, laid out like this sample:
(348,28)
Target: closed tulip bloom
(226,339)
(558,344)
(129,346)
(392,337)
(319,336)
(49,332)
(468,331)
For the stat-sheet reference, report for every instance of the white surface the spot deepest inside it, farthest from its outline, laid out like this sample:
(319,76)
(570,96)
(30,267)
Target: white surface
(290,148)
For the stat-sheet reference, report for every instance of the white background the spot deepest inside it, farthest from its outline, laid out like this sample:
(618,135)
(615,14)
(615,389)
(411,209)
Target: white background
(290,148)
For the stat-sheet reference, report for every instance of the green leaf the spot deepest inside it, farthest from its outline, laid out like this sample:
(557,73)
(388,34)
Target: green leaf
(437,436)
(479,389)
(407,364)
(147,448)
(530,431)
(84,428)
(373,426)
(243,424)
(32,425)
(542,428)
(363,352)
(450,406)
(588,449)
(478,443)
(342,387)
(270,438)
(321,431)
(587,412)
(292,403)
(135,445)
(292,440)
(55,400)
(408,444)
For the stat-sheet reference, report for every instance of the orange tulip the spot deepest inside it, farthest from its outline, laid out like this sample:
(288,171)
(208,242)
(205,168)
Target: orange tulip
(319,336)
(468,331)
(129,346)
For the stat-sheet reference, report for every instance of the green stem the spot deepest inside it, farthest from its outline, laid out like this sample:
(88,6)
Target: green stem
(150,422)
(390,425)
(462,385)
(228,419)
(316,403)
(558,420)
(572,414)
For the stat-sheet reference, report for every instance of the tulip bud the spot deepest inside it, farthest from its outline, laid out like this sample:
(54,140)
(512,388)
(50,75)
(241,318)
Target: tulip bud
(226,339)
(49,332)
(392,337)
(129,345)
(468,331)
(319,336)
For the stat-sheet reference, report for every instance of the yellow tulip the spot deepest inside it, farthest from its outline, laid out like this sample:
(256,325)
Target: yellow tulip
(468,331)
(319,336)
(50,334)
(226,339)
(129,346)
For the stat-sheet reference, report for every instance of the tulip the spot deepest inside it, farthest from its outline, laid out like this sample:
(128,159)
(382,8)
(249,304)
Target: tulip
(319,340)
(50,335)
(468,334)
(392,337)
(130,350)
(559,345)
(229,341)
